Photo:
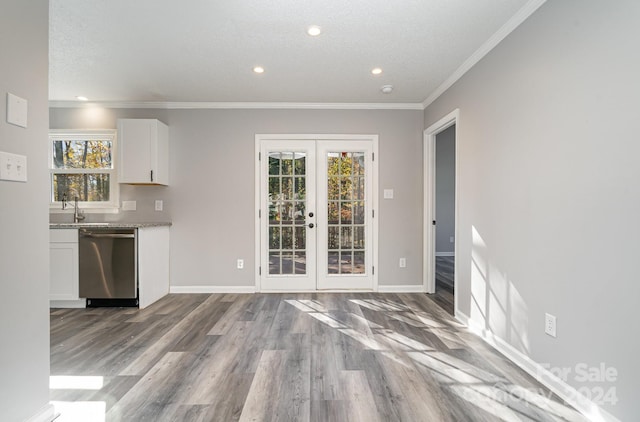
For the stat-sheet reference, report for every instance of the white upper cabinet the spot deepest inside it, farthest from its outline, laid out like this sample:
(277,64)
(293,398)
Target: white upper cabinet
(144,152)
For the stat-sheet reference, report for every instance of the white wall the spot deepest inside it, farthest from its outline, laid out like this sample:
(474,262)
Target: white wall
(549,189)
(211,195)
(445,189)
(24,245)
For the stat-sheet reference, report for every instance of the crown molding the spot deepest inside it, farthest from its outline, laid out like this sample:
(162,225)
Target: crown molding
(522,15)
(236,105)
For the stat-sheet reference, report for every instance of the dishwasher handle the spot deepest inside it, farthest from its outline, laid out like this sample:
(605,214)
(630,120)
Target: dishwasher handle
(108,235)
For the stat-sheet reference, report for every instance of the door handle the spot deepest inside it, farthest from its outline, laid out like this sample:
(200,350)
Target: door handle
(310,214)
(311,225)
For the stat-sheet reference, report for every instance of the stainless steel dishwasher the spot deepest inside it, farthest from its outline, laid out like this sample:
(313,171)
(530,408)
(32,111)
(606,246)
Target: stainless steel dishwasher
(108,266)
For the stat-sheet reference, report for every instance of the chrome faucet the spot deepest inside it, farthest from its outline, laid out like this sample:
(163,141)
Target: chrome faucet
(78,215)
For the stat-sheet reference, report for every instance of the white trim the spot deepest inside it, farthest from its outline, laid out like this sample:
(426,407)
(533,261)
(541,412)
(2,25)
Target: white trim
(429,176)
(76,304)
(515,21)
(318,291)
(411,288)
(172,105)
(211,289)
(445,254)
(46,414)
(566,392)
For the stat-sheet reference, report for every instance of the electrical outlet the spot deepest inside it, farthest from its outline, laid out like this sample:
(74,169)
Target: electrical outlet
(403,263)
(550,325)
(451,239)
(159,204)
(240,264)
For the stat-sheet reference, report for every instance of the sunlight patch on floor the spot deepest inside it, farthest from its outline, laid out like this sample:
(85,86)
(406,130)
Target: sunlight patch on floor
(80,411)
(490,392)
(75,382)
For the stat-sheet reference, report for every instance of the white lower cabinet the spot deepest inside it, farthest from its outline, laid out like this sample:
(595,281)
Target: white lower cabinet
(63,264)
(153,264)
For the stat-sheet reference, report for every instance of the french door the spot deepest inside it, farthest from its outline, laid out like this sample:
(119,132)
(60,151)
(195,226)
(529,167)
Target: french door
(316,214)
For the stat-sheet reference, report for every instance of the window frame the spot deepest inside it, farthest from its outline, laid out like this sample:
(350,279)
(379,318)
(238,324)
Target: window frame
(86,135)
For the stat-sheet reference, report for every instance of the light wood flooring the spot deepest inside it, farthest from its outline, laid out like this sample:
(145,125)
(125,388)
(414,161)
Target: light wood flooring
(287,357)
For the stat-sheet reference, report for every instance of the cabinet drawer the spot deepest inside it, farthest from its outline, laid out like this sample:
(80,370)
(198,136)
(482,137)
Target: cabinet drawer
(63,235)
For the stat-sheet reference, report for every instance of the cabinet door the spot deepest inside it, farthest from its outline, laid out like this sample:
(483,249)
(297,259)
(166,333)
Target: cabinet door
(153,264)
(63,266)
(144,151)
(160,153)
(134,144)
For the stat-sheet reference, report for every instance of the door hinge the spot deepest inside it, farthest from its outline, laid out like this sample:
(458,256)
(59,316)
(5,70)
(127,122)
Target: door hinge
(373,213)
(259,156)
(373,270)
(152,175)
(259,270)
(259,213)
(373,156)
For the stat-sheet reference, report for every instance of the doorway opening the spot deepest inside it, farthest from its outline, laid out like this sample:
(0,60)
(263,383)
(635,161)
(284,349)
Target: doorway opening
(441,212)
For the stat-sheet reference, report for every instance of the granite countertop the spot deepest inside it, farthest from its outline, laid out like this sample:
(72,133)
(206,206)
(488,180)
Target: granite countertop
(112,225)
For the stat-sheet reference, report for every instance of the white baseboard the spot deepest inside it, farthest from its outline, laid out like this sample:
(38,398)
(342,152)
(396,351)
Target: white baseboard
(445,254)
(412,288)
(566,392)
(212,289)
(46,414)
(417,288)
(81,303)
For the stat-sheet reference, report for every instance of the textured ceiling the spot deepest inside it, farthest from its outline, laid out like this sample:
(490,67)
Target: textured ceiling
(205,50)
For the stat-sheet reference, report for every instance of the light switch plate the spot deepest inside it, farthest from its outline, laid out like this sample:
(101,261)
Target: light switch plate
(388,194)
(159,204)
(16,110)
(13,167)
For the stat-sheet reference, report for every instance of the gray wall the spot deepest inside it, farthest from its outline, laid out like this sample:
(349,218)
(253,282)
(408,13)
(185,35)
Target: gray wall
(548,189)
(24,249)
(445,189)
(211,194)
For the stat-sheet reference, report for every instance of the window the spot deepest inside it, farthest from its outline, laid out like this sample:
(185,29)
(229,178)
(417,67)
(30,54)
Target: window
(82,164)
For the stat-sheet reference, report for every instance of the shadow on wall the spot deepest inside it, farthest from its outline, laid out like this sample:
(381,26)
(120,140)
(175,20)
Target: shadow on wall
(496,304)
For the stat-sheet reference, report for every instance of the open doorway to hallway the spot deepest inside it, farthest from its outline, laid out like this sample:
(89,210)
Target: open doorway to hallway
(445,182)
(441,211)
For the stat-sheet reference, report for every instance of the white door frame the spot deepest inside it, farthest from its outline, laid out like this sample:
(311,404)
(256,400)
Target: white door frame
(429,235)
(315,137)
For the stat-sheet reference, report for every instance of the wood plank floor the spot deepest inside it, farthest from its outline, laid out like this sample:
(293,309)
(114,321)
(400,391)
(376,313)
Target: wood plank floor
(444,283)
(287,357)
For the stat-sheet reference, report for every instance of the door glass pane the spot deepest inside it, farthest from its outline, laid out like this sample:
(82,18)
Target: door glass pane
(346,212)
(287,195)
(301,263)
(274,262)
(333,212)
(346,261)
(332,261)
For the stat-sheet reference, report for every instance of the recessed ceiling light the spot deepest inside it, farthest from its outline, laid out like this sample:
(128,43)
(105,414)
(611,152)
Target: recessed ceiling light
(376,71)
(81,98)
(314,30)
(386,89)
(258,69)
